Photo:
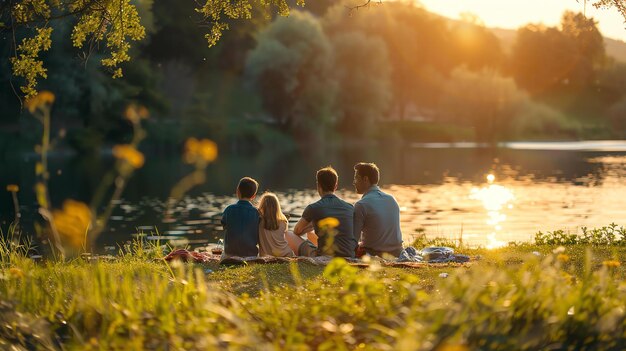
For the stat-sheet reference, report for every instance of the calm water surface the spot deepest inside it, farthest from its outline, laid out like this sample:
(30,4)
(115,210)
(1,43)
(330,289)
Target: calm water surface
(484,196)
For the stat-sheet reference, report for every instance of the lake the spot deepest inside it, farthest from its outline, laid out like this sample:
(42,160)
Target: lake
(483,196)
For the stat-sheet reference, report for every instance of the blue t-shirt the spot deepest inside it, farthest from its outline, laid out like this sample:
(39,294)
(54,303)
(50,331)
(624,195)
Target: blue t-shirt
(330,205)
(241,229)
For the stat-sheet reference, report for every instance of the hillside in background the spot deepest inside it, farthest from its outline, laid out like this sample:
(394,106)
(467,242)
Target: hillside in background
(614,48)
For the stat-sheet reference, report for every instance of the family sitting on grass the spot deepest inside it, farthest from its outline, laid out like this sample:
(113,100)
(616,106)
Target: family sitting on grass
(328,227)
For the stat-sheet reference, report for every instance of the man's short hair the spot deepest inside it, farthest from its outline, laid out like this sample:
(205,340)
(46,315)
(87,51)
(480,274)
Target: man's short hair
(369,170)
(327,178)
(247,187)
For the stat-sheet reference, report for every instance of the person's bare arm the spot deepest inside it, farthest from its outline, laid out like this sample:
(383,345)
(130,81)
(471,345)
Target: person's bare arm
(305,224)
(302,227)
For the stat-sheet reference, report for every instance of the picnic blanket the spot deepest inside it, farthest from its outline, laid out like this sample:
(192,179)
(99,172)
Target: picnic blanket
(410,257)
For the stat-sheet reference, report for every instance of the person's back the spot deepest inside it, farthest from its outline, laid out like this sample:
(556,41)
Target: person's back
(273,242)
(343,243)
(272,228)
(376,215)
(330,206)
(241,222)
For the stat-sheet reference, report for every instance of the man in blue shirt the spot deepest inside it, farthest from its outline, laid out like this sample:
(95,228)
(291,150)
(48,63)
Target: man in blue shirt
(329,209)
(241,222)
(376,215)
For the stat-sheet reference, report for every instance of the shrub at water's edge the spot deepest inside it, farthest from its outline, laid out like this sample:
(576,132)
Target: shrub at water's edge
(611,235)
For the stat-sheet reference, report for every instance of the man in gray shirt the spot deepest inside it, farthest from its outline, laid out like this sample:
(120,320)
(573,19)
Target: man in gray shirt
(376,215)
(329,209)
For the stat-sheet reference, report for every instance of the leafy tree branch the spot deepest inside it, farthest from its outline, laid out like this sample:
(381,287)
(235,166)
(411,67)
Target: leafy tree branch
(116,23)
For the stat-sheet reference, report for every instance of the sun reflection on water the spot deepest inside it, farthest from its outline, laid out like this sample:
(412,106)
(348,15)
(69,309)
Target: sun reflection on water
(494,199)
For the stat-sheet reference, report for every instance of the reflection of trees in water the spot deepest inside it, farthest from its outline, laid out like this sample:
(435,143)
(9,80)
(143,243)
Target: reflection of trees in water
(280,170)
(612,169)
(409,166)
(550,166)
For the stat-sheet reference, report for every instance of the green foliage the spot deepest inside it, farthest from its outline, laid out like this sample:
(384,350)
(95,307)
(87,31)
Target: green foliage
(617,117)
(548,59)
(138,250)
(373,65)
(610,235)
(415,131)
(612,81)
(89,102)
(587,38)
(215,10)
(476,46)
(129,306)
(305,75)
(27,64)
(116,22)
(363,75)
(411,54)
(484,100)
(540,121)
(511,299)
(29,10)
(291,68)
(13,247)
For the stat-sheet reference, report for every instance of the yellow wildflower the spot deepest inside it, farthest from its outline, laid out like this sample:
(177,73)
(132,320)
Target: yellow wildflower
(192,145)
(129,154)
(562,257)
(39,168)
(135,113)
(200,150)
(40,192)
(13,188)
(328,223)
(72,222)
(16,272)
(40,100)
(611,263)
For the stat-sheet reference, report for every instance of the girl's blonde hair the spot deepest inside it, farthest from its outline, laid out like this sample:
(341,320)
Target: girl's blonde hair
(269,208)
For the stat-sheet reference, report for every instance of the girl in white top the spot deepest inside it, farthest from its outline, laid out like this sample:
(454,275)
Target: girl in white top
(272,228)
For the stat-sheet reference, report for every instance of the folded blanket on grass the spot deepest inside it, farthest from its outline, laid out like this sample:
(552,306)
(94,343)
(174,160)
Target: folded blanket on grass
(432,254)
(410,257)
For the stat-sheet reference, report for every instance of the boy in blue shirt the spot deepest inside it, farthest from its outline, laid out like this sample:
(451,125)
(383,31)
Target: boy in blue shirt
(241,222)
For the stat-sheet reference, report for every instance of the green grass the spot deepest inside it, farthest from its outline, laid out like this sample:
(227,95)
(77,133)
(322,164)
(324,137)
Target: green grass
(523,296)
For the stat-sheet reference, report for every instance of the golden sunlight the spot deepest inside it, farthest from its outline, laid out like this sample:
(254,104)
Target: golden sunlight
(512,14)
(494,199)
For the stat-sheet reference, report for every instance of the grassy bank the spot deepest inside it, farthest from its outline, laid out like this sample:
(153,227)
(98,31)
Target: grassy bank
(518,297)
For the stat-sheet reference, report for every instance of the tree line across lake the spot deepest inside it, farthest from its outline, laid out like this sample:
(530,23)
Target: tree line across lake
(392,71)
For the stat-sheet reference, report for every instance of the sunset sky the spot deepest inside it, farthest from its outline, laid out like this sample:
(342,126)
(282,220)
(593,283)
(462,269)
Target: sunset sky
(515,13)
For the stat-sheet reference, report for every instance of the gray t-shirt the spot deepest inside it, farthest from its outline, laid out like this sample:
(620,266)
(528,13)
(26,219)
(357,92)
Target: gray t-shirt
(331,206)
(377,221)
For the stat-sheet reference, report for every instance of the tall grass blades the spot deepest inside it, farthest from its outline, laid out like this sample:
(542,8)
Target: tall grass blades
(566,299)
